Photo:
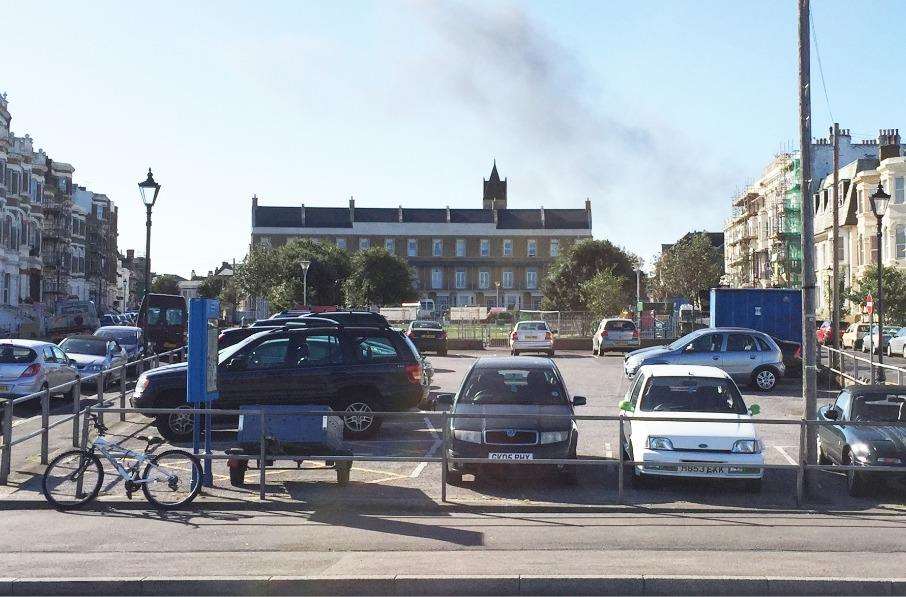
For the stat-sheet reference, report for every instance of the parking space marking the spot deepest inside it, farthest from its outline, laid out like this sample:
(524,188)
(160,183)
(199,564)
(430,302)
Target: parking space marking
(608,450)
(783,452)
(438,442)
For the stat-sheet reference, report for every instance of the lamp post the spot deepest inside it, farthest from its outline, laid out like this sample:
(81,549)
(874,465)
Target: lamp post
(305,264)
(879,202)
(149,190)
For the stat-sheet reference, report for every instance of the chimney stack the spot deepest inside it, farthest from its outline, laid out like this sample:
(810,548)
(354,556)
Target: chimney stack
(588,211)
(303,215)
(351,208)
(254,208)
(130,255)
(888,144)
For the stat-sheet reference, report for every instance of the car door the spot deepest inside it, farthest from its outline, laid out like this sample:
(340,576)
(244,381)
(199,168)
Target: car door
(66,372)
(259,374)
(316,358)
(741,356)
(633,397)
(51,366)
(704,350)
(376,363)
(835,434)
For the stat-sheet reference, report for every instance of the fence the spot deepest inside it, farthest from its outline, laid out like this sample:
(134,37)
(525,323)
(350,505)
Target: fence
(445,459)
(858,369)
(101,379)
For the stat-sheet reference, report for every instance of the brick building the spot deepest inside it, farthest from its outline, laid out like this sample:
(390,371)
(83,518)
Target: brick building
(458,256)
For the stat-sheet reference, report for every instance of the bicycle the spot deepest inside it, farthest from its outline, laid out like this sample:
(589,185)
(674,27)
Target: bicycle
(170,479)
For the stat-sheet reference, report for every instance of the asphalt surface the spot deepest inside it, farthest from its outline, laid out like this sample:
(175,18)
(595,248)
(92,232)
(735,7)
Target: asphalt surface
(390,518)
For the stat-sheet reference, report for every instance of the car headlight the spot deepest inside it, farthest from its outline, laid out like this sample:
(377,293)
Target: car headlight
(552,437)
(746,446)
(660,443)
(861,451)
(473,437)
(140,386)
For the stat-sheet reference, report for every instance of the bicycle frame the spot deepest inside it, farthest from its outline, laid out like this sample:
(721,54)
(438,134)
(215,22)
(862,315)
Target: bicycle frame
(115,455)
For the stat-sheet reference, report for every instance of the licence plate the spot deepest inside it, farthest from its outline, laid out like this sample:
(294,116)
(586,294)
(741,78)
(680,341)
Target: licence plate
(4,388)
(511,456)
(706,469)
(429,336)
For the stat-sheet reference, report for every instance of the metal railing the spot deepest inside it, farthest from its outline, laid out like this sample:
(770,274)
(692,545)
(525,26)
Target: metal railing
(852,367)
(74,388)
(445,459)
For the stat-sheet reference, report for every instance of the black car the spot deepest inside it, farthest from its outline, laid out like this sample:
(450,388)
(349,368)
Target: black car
(529,387)
(792,356)
(858,445)
(356,369)
(231,336)
(428,335)
(352,317)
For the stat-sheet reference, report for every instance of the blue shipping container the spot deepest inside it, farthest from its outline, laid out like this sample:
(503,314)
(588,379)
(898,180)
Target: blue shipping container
(774,311)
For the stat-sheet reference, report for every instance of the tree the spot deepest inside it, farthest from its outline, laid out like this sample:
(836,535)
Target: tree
(603,295)
(379,278)
(211,287)
(255,276)
(580,263)
(329,267)
(894,292)
(689,269)
(165,284)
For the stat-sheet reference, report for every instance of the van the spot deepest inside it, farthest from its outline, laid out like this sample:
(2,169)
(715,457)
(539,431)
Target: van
(164,319)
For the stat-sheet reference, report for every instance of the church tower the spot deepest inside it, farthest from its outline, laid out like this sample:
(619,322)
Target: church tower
(494,191)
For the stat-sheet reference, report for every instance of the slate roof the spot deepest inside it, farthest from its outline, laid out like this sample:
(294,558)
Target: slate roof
(377,214)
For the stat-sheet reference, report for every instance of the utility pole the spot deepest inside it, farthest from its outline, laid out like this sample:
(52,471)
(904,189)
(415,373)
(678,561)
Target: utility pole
(809,348)
(835,292)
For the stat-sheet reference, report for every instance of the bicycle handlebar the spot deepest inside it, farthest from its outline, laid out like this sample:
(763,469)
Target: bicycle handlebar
(98,425)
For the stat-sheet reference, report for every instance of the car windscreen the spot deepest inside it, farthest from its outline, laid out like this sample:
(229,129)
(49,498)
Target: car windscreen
(513,386)
(16,355)
(169,316)
(619,326)
(127,338)
(529,326)
(879,407)
(96,348)
(692,394)
(426,325)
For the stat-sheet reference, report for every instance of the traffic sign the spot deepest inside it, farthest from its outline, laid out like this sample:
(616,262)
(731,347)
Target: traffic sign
(869,304)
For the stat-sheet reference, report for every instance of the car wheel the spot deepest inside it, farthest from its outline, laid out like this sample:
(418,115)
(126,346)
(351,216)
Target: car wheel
(764,378)
(822,457)
(176,427)
(361,422)
(515,353)
(551,354)
(454,477)
(889,352)
(442,352)
(856,482)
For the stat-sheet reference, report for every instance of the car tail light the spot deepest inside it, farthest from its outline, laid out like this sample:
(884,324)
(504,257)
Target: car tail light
(414,372)
(514,336)
(408,333)
(604,334)
(221,336)
(31,370)
(798,353)
(635,334)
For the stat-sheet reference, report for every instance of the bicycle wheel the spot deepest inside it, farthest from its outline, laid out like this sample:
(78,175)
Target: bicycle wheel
(72,479)
(171,479)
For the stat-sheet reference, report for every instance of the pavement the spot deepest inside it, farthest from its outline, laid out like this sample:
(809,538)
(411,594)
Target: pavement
(390,525)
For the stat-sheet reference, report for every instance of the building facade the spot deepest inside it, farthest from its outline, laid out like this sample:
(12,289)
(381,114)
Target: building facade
(493,256)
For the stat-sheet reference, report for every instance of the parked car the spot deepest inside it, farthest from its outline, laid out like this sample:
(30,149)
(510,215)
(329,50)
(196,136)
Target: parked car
(353,317)
(94,354)
(29,366)
(614,333)
(164,319)
(749,356)
(695,449)
(127,336)
(856,445)
(825,333)
(532,336)
(875,342)
(897,343)
(529,387)
(356,369)
(428,335)
(108,319)
(792,356)
(853,336)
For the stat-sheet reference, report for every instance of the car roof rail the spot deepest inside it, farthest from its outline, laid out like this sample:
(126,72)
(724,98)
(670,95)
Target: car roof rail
(308,322)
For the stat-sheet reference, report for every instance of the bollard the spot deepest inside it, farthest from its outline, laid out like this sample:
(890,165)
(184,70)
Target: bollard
(123,391)
(76,406)
(800,472)
(45,422)
(621,467)
(86,425)
(7,452)
(443,457)
(101,381)
(262,455)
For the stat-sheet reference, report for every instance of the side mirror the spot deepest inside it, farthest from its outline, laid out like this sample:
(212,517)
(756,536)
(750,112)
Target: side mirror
(626,406)
(445,399)
(235,364)
(579,401)
(754,409)
(832,413)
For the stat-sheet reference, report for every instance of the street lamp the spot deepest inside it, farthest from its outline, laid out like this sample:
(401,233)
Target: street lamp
(879,202)
(305,264)
(149,190)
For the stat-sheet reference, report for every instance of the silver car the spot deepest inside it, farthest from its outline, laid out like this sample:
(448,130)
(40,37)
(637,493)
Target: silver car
(94,354)
(749,356)
(29,366)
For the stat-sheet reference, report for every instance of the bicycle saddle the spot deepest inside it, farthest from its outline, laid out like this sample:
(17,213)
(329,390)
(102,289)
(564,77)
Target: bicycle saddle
(152,441)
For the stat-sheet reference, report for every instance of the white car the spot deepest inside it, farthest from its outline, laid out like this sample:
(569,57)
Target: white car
(690,449)
(532,336)
(897,344)
(614,333)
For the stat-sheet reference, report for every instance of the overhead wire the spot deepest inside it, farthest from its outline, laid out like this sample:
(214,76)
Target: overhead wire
(811,21)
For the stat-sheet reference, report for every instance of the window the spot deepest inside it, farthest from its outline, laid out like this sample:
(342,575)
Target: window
(531,278)
(841,249)
(437,278)
(390,245)
(317,350)
(460,278)
(874,248)
(741,343)
(901,242)
(437,247)
(484,279)
(485,247)
(268,355)
(374,349)
(507,247)
(532,248)
(412,247)
(842,404)
(555,247)
(860,248)
(507,279)
(49,355)
(364,244)
(899,191)
(460,247)
(341,243)
(705,343)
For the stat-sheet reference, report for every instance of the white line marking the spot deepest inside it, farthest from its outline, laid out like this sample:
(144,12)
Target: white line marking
(783,451)
(608,450)
(438,442)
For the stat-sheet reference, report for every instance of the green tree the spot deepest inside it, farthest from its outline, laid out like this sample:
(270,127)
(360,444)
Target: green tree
(379,278)
(603,295)
(689,269)
(580,263)
(229,298)
(894,292)
(211,287)
(165,284)
(329,267)
(255,276)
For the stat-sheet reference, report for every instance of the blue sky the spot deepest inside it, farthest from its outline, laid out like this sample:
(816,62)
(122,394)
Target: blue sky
(657,111)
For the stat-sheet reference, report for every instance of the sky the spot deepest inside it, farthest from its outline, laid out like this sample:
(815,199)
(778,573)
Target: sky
(656,111)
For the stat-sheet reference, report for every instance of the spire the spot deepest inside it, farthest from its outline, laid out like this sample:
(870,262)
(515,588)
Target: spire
(494,176)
